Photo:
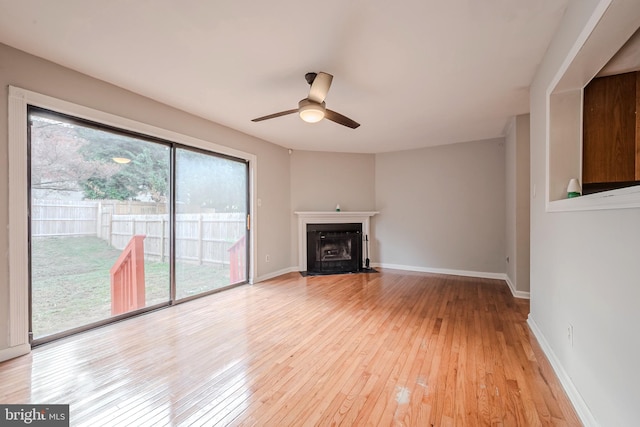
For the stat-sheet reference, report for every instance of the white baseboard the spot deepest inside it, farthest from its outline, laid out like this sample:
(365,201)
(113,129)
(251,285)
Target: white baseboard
(514,292)
(12,352)
(574,395)
(465,273)
(274,274)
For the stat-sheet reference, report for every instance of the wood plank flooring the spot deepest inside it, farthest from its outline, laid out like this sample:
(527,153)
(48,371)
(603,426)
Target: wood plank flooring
(388,348)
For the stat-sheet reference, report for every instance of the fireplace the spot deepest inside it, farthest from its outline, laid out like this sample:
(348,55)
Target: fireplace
(361,218)
(334,248)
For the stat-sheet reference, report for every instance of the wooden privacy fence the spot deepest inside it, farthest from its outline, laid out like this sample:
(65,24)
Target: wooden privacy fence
(83,217)
(200,238)
(63,218)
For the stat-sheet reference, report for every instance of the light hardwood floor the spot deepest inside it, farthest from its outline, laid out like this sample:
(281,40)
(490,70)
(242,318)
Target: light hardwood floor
(388,348)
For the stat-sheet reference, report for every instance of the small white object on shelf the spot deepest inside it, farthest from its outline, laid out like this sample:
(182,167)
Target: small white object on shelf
(574,189)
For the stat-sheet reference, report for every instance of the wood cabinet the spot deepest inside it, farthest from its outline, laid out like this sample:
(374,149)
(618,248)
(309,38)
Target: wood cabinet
(611,132)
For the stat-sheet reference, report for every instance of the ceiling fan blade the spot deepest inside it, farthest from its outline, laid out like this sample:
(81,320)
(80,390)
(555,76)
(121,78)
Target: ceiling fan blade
(340,119)
(320,87)
(274,115)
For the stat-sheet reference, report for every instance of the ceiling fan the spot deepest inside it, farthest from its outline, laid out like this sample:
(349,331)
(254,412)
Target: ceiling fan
(312,109)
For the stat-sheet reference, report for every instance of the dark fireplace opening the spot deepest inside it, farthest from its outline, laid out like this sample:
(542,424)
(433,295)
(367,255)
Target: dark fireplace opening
(334,248)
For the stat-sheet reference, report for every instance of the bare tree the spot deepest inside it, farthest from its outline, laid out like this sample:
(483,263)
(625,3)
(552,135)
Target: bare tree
(56,160)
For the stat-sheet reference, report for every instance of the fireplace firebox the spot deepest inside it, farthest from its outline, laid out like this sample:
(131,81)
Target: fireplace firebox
(334,248)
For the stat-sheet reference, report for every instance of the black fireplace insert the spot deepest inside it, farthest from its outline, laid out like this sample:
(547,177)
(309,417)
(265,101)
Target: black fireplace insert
(334,248)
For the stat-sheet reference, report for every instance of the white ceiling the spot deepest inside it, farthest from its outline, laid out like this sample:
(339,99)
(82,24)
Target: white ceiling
(414,73)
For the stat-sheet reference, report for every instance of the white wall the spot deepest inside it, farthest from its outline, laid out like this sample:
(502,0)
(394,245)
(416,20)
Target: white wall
(442,208)
(584,272)
(35,74)
(320,181)
(517,203)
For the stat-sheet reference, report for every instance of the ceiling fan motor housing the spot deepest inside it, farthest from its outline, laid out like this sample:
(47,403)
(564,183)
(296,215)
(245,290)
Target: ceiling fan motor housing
(311,111)
(310,77)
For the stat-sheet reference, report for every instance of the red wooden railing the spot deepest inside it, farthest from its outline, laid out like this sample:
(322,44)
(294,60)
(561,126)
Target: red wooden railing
(127,278)
(237,260)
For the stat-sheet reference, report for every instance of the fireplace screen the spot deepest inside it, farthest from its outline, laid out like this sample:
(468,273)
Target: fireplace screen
(334,248)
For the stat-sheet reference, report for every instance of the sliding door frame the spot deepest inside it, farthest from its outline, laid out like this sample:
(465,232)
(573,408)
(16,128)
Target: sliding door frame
(173,216)
(19,101)
(74,120)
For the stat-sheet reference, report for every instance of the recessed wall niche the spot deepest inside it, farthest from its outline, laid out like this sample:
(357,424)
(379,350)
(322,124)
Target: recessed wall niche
(611,26)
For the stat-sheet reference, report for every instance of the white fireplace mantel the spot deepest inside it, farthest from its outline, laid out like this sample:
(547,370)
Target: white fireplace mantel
(328,217)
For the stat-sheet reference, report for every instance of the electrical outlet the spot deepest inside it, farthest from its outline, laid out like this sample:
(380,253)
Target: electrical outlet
(267,258)
(570,334)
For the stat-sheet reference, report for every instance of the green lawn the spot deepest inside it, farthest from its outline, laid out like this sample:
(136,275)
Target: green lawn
(71,283)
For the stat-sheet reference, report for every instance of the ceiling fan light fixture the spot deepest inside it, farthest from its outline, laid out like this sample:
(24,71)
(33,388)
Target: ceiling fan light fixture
(311,112)
(312,109)
(312,115)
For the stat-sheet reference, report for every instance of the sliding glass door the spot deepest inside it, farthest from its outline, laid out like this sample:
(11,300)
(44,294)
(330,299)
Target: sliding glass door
(211,222)
(99,216)
(121,223)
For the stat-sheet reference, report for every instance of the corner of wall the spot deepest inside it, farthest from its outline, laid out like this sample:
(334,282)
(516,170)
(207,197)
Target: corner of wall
(517,203)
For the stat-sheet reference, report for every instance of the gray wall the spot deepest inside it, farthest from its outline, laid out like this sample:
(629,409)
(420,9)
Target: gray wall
(584,271)
(442,208)
(517,202)
(35,74)
(319,181)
